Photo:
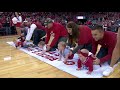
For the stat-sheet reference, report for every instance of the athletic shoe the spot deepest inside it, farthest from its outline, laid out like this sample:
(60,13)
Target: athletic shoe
(108,71)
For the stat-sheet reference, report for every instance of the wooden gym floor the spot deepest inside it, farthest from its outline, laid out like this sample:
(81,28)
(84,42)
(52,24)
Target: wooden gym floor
(23,65)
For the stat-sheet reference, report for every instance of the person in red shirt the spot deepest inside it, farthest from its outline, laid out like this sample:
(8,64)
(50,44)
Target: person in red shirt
(55,33)
(79,37)
(89,22)
(1,26)
(2,29)
(106,39)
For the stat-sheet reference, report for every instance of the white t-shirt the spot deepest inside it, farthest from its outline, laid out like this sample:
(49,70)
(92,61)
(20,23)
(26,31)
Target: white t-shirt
(65,52)
(19,19)
(14,20)
(30,32)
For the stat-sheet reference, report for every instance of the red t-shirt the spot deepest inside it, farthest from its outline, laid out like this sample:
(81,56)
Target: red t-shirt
(58,30)
(85,35)
(108,41)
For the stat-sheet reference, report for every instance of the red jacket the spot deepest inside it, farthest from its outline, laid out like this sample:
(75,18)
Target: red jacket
(108,41)
(88,63)
(39,26)
(58,30)
(85,35)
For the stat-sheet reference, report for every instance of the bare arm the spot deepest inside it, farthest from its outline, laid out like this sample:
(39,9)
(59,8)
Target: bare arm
(116,51)
(77,48)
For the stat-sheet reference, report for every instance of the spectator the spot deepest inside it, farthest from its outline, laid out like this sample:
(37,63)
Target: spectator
(18,24)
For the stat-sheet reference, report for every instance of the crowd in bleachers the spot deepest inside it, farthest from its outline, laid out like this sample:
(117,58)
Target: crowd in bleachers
(107,19)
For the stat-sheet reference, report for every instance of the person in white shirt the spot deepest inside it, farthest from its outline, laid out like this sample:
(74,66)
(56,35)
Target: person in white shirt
(18,21)
(12,23)
(34,31)
(30,31)
(14,20)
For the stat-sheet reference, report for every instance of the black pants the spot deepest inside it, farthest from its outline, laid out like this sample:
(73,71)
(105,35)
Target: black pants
(79,47)
(88,47)
(102,53)
(2,31)
(13,30)
(118,60)
(37,35)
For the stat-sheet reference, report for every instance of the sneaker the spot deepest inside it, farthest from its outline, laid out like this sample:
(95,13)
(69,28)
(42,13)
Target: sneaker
(108,71)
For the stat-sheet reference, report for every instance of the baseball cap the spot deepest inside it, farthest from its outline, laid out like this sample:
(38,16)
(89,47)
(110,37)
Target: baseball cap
(47,21)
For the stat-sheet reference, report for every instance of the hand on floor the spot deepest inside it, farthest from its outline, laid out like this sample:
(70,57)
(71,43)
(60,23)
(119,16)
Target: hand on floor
(78,69)
(89,72)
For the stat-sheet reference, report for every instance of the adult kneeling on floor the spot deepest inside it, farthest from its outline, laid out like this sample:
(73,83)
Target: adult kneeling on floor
(79,37)
(107,40)
(55,32)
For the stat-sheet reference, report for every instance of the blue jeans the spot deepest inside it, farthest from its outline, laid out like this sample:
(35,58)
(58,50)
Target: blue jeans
(8,30)
(37,35)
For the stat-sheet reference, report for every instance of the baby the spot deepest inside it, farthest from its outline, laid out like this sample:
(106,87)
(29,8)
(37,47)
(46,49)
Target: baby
(64,51)
(42,45)
(85,58)
(20,41)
